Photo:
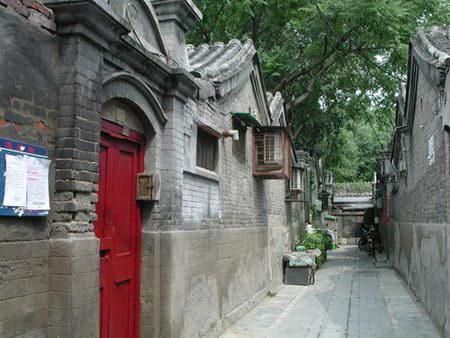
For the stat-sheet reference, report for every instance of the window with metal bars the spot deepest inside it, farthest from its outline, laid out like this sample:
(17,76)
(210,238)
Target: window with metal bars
(268,148)
(271,153)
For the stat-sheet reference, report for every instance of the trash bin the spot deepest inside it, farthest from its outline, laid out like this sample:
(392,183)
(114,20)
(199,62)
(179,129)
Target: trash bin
(299,268)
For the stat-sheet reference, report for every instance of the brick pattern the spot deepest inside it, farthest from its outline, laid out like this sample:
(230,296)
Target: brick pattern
(226,254)
(28,108)
(201,202)
(232,220)
(241,199)
(421,199)
(34,11)
(78,137)
(419,209)
(172,166)
(279,232)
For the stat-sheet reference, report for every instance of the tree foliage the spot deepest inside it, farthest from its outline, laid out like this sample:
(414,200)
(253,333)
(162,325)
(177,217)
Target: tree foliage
(338,63)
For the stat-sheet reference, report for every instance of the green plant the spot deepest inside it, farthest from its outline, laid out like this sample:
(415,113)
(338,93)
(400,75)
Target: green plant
(340,71)
(316,240)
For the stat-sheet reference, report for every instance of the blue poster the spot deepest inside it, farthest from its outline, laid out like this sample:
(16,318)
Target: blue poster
(19,150)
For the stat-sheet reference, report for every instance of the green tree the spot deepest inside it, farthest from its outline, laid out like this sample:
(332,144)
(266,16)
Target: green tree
(337,62)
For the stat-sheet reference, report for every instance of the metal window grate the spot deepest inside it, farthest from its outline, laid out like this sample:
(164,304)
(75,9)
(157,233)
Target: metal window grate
(268,148)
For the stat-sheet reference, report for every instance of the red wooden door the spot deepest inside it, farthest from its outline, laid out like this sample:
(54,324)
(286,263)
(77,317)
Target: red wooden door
(118,226)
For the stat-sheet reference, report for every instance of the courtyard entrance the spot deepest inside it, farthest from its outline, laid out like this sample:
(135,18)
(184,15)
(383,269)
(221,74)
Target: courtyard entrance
(352,297)
(119,228)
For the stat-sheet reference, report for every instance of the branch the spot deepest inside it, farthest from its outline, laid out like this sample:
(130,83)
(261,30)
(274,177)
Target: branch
(381,69)
(294,103)
(325,44)
(203,27)
(297,132)
(303,71)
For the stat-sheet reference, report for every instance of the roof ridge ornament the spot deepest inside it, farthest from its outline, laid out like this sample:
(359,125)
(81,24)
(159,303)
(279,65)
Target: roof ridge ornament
(443,58)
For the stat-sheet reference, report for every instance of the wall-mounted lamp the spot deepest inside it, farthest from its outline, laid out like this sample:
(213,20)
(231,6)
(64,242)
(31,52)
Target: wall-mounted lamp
(231,133)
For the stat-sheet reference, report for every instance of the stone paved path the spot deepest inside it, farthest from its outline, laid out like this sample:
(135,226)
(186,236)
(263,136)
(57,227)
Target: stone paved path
(351,298)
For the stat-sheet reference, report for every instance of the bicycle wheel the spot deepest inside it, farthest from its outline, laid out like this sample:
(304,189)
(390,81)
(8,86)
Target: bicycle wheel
(370,248)
(361,244)
(380,248)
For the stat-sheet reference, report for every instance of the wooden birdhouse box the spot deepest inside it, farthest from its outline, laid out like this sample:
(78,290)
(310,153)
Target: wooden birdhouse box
(271,153)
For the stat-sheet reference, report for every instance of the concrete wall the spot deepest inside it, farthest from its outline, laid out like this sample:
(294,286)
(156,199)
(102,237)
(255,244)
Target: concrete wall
(296,218)
(24,283)
(349,224)
(418,235)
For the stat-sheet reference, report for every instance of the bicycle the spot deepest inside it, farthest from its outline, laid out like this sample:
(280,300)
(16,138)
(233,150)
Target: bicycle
(370,241)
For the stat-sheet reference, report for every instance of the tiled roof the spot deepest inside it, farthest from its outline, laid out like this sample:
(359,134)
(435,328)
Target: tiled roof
(227,66)
(434,46)
(220,68)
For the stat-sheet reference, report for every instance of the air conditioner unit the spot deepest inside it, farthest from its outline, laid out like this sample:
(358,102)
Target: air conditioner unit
(296,180)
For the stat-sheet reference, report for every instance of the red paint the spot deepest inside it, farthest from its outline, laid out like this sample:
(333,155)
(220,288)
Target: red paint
(119,228)
(41,125)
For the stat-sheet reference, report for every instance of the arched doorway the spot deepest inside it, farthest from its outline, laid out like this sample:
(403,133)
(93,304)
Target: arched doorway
(130,111)
(119,218)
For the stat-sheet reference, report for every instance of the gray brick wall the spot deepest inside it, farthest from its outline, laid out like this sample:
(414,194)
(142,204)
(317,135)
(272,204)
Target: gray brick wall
(237,258)
(242,198)
(209,234)
(419,209)
(422,196)
(279,231)
(201,201)
(28,100)
(78,136)
(28,108)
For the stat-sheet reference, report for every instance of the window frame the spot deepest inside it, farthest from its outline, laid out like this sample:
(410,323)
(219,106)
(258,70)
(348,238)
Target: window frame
(204,135)
(268,166)
(270,153)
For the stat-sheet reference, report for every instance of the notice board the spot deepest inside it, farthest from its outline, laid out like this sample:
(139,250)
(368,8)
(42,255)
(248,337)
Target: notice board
(24,179)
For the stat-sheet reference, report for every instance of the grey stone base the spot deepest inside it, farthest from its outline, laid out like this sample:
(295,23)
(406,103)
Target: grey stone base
(207,279)
(420,254)
(74,288)
(24,288)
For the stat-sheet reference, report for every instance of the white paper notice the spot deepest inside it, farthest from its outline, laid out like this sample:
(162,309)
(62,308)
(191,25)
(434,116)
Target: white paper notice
(38,197)
(15,181)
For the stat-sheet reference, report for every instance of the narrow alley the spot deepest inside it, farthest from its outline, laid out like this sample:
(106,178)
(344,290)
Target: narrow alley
(352,297)
(171,168)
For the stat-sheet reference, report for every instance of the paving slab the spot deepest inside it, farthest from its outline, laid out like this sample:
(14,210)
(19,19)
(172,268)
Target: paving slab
(353,297)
